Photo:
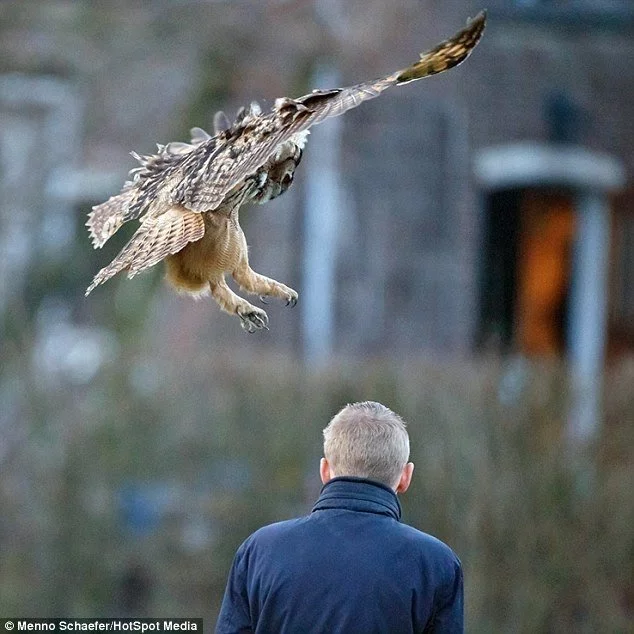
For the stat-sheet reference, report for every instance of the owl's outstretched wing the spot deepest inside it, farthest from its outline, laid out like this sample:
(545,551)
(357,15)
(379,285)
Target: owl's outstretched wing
(145,186)
(244,148)
(157,237)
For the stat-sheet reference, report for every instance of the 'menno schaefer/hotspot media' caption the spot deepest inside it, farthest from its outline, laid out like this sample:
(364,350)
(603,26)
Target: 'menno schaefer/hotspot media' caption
(101,625)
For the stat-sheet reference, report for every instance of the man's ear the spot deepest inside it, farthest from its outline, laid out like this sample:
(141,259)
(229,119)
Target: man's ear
(406,478)
(324,471)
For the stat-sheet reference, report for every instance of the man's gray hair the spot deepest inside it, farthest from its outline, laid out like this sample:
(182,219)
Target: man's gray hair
(367,440)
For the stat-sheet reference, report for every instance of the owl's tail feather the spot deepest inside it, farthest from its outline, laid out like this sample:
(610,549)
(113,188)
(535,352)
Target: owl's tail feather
(104,220)
(447,54)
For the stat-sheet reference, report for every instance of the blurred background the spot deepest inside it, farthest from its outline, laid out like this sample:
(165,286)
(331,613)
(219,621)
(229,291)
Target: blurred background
(463,249)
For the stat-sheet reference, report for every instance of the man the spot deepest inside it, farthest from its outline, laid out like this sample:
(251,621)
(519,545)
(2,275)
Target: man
(350,566)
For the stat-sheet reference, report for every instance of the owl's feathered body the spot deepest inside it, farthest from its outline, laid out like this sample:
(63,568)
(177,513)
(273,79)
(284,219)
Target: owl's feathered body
(188,195)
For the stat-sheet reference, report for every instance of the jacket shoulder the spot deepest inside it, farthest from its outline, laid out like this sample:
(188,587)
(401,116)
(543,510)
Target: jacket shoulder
(272,533)
(427,544)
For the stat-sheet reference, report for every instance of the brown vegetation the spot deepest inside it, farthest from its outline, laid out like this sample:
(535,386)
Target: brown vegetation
(133,477)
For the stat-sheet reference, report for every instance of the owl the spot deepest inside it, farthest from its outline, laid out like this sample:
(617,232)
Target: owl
(187,196)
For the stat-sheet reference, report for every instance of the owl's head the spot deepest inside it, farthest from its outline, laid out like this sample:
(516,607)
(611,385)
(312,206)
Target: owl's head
(277,174)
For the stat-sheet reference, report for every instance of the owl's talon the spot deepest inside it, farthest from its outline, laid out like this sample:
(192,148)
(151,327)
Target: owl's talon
(263,299)
(253,320)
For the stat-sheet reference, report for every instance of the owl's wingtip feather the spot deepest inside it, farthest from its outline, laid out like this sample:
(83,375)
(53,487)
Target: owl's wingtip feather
(447,54)
(479,19)
(92,286)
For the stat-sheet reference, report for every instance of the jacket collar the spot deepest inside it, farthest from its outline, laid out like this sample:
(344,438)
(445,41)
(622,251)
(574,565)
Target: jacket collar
(358,494)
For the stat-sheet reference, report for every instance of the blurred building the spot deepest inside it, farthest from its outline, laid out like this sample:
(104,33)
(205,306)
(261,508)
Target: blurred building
(460,204)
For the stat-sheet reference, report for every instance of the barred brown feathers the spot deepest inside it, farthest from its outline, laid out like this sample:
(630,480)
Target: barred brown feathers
(447,54)
(104,220)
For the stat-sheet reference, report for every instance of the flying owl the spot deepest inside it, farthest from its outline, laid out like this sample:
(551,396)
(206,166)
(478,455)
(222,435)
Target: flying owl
(188,195)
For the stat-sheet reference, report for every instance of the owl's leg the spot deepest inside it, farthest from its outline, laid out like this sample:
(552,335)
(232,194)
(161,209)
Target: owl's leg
(253,282)
(252,318)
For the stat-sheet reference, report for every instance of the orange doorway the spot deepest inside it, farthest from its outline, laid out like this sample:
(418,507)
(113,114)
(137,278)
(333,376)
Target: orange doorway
(526,271)
(544,268)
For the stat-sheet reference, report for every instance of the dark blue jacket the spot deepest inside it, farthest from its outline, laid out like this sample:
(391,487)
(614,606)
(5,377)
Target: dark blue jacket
(350,566)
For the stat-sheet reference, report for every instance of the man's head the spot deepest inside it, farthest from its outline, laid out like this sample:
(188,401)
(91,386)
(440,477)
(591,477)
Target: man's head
(367,440)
